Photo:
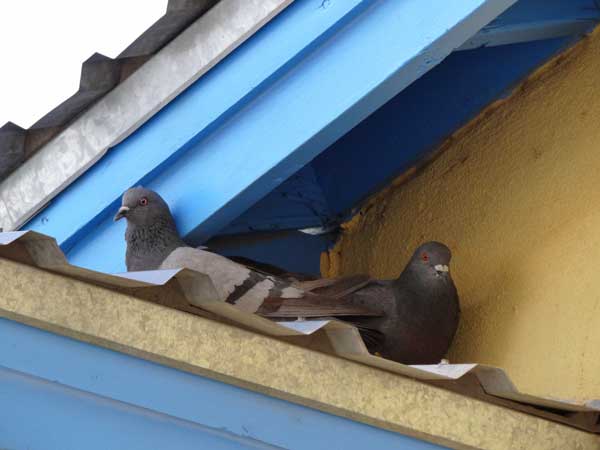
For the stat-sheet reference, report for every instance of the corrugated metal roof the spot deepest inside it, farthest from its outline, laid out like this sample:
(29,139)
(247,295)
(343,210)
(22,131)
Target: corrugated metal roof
(120,112)
(195,293)
(99,74)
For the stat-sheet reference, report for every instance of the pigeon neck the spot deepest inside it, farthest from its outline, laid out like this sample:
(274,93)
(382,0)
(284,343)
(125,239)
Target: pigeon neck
(419,282)
(158,239)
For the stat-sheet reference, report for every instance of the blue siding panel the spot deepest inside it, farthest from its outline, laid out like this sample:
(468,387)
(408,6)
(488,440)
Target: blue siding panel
(41,415)
(79,391)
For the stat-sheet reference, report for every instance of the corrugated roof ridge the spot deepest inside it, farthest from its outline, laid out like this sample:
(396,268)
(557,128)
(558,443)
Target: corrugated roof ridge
(99,75)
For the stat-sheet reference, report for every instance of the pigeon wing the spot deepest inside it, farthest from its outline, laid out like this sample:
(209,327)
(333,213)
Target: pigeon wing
(312,305)
(266,295)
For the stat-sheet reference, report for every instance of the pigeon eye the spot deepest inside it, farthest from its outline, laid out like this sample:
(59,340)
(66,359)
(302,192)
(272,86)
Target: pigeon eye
(425,257)
(143,201)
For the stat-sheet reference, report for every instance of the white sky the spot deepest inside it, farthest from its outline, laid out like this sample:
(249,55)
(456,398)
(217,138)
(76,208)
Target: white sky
(44,42)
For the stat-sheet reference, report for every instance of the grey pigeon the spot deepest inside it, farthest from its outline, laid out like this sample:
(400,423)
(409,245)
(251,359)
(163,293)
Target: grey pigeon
(411,320)
(154,243)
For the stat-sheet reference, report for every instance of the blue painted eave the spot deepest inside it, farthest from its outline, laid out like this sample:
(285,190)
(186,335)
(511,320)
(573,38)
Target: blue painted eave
(289,132)
(98,399)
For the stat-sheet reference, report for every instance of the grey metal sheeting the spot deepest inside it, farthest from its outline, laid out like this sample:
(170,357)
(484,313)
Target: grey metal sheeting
(117,114)
(195,293)
(99,74)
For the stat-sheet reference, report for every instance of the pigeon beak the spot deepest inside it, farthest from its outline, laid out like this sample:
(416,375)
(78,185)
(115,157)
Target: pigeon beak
(122,212)
(442,268)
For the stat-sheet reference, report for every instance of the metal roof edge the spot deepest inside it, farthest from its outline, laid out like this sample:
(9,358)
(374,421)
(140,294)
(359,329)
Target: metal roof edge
(127,324)
(131,103)
(99,74)
(194,293)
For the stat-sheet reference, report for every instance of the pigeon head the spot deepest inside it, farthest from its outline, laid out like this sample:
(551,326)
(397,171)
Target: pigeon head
(432,256)
(142,206)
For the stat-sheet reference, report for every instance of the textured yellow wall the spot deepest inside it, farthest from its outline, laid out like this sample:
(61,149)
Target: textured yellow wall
(516,195)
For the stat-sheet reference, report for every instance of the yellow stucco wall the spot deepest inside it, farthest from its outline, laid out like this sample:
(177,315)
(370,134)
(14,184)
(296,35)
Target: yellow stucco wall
(516,195)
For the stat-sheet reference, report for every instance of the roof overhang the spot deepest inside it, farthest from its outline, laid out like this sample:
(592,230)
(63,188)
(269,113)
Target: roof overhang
(248,125)
(142,313)
(194,293)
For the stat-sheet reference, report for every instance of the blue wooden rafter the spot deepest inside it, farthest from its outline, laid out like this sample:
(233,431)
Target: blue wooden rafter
(534,20)
(395,137)
(406,128)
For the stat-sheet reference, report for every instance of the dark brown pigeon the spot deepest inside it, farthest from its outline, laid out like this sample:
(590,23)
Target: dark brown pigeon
(420,308)
(411,320)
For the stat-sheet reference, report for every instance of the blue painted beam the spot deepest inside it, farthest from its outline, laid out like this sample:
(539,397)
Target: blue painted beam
(397,135)
(62,394)
(330,65)
(532,20)
(417,120)
(299,201)
(192,117)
